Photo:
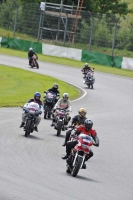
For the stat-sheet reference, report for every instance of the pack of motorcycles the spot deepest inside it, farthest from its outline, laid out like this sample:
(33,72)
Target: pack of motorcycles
(77,157)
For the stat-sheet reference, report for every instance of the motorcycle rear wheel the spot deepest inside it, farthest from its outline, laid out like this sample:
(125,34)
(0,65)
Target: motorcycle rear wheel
(27,128)
(59,126)
(77,166)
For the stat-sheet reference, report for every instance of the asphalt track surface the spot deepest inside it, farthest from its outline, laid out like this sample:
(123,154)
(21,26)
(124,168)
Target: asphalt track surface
(32,169)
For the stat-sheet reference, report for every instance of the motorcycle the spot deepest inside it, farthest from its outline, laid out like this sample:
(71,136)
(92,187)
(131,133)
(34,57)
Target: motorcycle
(61,120)
(50,100)
(34,62)
(89,80)
(31,114)
(78,154)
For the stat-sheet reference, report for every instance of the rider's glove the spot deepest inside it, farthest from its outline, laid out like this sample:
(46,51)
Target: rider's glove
(26,110)
(96,144)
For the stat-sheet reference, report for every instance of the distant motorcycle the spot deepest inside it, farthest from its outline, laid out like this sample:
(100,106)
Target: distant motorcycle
(61,120)
(30,120)
(33,62)
(49,102)
(78,153)
(89,80)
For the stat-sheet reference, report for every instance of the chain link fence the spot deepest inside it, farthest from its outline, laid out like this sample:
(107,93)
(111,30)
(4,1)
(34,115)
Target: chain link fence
(66,26)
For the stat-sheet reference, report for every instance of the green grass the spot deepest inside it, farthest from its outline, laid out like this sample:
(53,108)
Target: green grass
(17,86)
(69,62)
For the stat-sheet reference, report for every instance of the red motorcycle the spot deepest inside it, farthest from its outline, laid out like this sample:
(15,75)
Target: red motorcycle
(33,62)
(79,153)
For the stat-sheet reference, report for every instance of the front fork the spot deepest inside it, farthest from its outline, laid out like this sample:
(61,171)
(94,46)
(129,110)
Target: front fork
(77,155)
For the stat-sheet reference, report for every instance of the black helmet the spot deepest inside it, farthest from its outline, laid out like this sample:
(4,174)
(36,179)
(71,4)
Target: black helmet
(88,124)
(55,85)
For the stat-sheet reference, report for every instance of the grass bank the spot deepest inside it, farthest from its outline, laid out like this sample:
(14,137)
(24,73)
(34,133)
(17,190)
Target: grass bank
(18,85)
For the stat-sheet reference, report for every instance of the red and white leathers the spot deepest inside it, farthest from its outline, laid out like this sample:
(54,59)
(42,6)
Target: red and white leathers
(90,132)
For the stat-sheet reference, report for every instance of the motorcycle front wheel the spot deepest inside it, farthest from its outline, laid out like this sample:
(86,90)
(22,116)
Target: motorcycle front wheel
(77,166)
(27,128)
(59,126)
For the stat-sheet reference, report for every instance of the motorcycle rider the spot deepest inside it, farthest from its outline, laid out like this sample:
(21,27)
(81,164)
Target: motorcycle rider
(76,121)
(37,100)
(30,54)
(86,129)
(63,103)
(55,90)
(87,69)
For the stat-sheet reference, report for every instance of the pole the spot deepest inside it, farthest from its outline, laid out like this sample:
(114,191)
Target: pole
(40,22)
(59,20)
(15,19)
(65,31)
(92,29)
(113,44)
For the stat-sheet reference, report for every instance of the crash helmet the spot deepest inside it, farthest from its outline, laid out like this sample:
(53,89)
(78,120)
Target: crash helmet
(37,96)
(86,65)
(55,85)
(82,112)
(88,124)
(30,49)
(65,96)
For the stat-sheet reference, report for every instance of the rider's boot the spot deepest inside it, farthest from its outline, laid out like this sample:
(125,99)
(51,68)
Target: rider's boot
(22,124)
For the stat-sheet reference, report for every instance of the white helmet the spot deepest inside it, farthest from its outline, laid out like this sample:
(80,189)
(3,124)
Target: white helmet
(65,96)
(30,49)
(86,65)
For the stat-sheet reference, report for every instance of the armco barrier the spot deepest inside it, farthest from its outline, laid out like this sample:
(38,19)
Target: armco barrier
(71,53)
(64,52)
(24,45)
(102,59)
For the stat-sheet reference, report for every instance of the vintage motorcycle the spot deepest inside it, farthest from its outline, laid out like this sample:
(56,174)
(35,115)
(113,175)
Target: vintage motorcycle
(89,80)
(49,102)
(31,114)
(61,120)
(34,62)
(79,153)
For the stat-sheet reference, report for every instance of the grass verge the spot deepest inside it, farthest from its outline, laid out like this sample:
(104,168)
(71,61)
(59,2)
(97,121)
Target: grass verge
(18,85)
(68,62)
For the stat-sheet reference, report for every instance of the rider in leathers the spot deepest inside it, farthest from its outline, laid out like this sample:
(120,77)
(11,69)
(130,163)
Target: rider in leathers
(76,121)
(86,129)
(55,90)
(30,54)
(37,100)
(63,103)
(87,69)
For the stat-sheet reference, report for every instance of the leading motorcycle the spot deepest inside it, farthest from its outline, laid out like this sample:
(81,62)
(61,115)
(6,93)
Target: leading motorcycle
(33,62)
(78,154)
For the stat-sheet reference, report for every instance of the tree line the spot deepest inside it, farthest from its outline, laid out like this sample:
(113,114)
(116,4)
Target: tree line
(28,16)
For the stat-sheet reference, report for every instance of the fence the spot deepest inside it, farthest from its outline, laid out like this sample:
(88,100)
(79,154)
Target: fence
(65,26)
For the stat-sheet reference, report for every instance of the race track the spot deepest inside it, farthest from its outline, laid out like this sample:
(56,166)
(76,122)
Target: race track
(32,169)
